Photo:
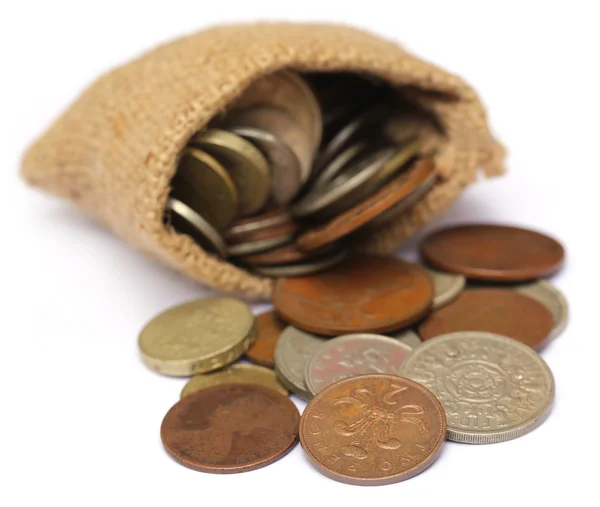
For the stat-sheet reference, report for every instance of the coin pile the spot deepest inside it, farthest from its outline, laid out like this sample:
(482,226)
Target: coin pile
(393,359)
(293,168)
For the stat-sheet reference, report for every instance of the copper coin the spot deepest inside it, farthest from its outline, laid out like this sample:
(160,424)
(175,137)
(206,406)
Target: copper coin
(369,209)
(499,311)
(368,294)
(373,430)
(268,329)
(230,428)
(493,252)
(286,254)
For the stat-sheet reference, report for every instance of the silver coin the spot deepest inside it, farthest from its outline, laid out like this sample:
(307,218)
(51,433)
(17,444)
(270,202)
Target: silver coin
(339,163)
(186,221)
(259,245)
(258,222)
(493,388)
(549,296)
(294,348)
(447,287)
(351,355)
(409,338)
(302,268)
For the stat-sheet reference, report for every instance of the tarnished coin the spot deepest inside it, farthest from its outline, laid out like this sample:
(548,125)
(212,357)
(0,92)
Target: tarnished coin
(245,163)
(235,374)
(493,388)
(186,221)
(260,241)
(369,294)
(367,210)
(340,162)
(499,311)
(373,430)
(268,218)
(230,428)
(493,252)
(351,355)
(305,268)
(548,295)
(292,351)
(447,287)
(407,337)
(286,254)
(197,337)
(268,330)
(204,185)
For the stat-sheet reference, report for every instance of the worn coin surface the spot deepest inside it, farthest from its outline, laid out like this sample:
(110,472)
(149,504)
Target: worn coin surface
(368,294)
(500,311)
(409,338)
(292,351)
(548,295)
(447,287)
(186,221)
(268,330)
(197,337)
(493,388)
(493,252)
(245,163)
(304,268)
(235,374)
(351,355)
(373,430)
(204,185)
(230,428)
(260,241)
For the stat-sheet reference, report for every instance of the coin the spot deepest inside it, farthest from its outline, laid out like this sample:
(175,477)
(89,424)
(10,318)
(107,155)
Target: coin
(235,374)
(268,331)
(286,254)
(407,337)
(447,287)
(230,428)
(499,311)
(197,337)
(549,296)
(368,294)
(493,388)
(351,355)
(246,165)
(292,351)
(259,241)
(305,268)
(205,186)
(364,212)
(287,90)
(493,252)
(186,221)
(340,162)
(373,430)
(264,220)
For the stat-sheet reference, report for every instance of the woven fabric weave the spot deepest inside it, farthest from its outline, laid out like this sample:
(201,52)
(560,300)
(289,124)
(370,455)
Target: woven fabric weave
(114,151)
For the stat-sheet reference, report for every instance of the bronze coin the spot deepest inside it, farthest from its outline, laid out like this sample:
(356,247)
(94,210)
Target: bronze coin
(368,294)
(230,428)
(286,254)
(493,252)
(499,311)
(268,329)
(369,209)
(373,430)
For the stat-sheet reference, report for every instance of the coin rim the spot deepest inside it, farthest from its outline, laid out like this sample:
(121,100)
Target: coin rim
(310,267)
(562,320)
(459,283)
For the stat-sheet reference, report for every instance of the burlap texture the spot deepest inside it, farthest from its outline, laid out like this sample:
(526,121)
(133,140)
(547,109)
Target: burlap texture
(114,151)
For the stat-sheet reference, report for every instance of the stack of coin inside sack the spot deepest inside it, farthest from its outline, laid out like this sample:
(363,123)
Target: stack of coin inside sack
(282,181)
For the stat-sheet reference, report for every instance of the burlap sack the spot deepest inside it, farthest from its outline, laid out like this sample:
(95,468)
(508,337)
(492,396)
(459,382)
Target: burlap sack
(114,151)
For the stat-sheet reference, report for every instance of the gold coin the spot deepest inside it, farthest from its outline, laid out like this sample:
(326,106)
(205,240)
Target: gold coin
(197,337)
(236,374)
(246,165)
(206,187)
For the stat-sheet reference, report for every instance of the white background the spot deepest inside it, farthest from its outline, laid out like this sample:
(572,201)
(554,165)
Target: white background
(80,414)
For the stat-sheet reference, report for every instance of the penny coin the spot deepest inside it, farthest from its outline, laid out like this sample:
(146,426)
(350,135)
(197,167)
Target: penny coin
(245,163)
(286,173)
(235,374)
(493,252)
(408,338)
(373,430)
(230,428)
(266,219)
(365,211)
(499,311)
(493,388)
(292,351)
(368,294)
(447,287)
(186,221)
(259,241)
(197,337)
(287,90)
(340,162)
(285,254)
(204,185)
(303,268)
(351,355)
(554,300)
(268,331)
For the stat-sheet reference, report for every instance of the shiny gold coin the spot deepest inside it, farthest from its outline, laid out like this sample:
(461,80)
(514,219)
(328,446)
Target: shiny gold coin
(245,163)
(236,374)
(204,185)
(197,337)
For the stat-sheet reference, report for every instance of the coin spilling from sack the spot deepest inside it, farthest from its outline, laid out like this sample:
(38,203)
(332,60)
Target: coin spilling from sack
(393,358)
